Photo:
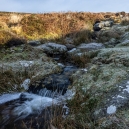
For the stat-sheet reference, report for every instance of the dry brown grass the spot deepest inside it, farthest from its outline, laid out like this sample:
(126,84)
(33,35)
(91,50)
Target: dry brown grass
(81,60)
(50,26)
(83,36)
(54,26)
(125,22)
(11,81)
(59,23)
(9,38)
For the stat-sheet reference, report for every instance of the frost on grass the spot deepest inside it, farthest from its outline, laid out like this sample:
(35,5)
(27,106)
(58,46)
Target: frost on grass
(119,96)
(85,70)
(111,109)
(26,63)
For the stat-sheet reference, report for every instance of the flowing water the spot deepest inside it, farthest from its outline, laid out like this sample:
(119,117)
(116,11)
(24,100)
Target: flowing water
(32,109)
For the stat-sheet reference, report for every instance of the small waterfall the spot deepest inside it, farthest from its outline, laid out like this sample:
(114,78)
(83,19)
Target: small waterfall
(48,93)
(37,102)
(23,106)
(8,97)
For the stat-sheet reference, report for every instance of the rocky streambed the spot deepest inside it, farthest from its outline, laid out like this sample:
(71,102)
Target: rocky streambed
(43,90)
(33,86)
(40,102)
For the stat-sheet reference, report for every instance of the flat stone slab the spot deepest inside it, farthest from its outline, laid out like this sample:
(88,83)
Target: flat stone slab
(53,48)
(90,46)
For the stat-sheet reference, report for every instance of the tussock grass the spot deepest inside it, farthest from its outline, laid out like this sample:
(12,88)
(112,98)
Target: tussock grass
(84,36)
(81,111)
(105,36)
(81,60)
(24,52)
(9,39)
(10,81)
(84,59)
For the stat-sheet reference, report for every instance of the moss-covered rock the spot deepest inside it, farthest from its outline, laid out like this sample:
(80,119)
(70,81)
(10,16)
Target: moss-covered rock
(22,62)
(106,35)
(102,90)
(119,56)
(124,43)
(124,37)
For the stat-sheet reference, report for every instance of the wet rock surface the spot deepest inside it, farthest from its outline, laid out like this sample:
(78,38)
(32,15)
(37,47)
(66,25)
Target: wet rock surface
(37,110)
(55,82)
(70,46)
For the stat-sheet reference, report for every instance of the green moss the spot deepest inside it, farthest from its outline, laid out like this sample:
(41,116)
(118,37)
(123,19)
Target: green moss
(123,44)
(97,85)
(13,72)
(119,56)
(93,89)
(106,35)
(24,52)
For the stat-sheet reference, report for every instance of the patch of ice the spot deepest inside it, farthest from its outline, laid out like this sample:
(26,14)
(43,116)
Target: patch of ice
(25,84)
(84,69)
(67,96)
(127,88)
(118,96)
(15,86)
(127,82)
(111,109)
(70,51)
(61,65)
(120,86)
(119,89)
(35,105)
(66,111)
(79,54)
(26,63)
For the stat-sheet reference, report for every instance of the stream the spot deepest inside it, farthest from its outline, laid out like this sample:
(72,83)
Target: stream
(42,101)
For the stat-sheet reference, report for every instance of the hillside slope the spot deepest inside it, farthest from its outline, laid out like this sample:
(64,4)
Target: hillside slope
(50,26)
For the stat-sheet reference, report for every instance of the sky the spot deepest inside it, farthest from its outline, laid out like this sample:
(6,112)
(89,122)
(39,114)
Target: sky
(44,6)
